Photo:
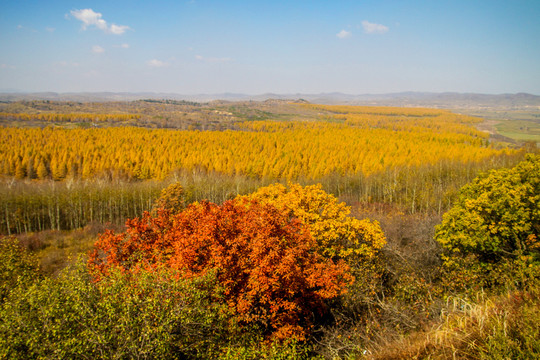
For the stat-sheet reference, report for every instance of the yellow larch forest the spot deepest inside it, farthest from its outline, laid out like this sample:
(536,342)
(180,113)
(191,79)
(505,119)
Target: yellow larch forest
(346,140)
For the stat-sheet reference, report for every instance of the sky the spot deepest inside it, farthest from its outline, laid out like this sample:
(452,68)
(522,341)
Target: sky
(256,47)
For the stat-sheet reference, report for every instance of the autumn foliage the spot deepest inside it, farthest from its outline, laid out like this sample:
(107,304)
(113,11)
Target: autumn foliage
(345,140)
(338,235)
(264,260)
(171,198)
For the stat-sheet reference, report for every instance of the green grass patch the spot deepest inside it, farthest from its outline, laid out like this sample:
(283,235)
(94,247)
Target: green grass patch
(520,130)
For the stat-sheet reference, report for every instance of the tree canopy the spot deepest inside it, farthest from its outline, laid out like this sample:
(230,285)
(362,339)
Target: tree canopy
(497,215)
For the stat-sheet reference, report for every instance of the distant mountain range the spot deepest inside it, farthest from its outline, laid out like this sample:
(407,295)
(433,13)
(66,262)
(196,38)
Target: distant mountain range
(438,100)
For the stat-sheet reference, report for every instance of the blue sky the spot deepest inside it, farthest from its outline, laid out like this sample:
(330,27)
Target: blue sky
(255,47)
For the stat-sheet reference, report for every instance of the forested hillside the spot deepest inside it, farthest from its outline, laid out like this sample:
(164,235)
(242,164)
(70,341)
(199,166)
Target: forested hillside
(170,229)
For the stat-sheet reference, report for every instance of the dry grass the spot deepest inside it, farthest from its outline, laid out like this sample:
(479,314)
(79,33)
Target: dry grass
(488,328)
(55,249)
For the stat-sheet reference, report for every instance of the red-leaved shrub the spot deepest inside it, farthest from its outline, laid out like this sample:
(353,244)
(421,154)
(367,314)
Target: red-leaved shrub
(265,261)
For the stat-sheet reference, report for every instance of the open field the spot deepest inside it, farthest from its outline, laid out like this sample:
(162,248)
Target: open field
(511,125)
(520,130)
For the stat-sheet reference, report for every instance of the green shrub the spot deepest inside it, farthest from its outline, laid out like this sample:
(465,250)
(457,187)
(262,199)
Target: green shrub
(257,349)
(148,316)
(495,226)
(17,266)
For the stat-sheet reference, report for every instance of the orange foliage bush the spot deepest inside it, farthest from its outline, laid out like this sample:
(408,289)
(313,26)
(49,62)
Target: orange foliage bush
(265,261)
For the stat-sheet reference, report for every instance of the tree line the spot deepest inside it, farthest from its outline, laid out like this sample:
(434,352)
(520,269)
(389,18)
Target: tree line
(30,205)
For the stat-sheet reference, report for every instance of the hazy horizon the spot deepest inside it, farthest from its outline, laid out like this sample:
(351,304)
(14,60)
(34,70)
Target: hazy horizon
(233,94)
(307,47)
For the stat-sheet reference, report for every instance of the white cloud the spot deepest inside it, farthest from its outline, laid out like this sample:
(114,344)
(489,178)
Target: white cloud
(50,29)
(343,34)
(89,17)
(118,29)
(156,63)
(372,28)
(6,66)
(96,49)
(124,46)
(212,59)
